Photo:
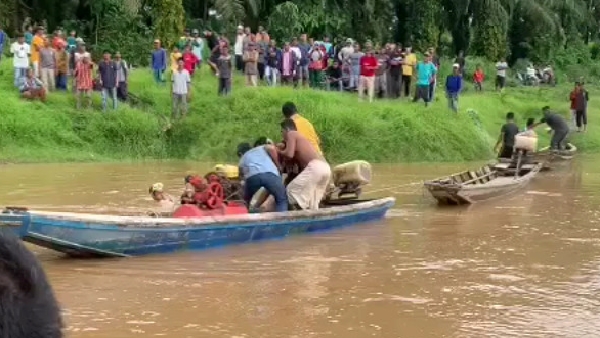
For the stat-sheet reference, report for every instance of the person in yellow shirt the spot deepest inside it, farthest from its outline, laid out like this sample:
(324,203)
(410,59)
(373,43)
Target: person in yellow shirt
(37,44)
(303,126)
(408,66)
(175,56)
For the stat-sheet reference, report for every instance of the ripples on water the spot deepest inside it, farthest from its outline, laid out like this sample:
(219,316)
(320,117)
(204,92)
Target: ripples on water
(527,266)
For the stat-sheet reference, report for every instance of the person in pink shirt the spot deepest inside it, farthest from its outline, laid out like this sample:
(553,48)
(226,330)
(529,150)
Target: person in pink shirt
(190,60)
(287,65)
(368,66)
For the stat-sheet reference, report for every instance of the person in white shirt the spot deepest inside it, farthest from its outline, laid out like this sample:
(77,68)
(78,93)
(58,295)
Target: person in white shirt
(501,67)
(344,56)
(181,90)
(20,51)
(238,49)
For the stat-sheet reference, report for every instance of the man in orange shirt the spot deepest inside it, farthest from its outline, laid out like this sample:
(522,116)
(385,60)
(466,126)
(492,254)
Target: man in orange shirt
(303,126)
(36,45)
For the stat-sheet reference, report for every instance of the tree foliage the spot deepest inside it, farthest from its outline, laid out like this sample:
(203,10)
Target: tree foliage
(539,30)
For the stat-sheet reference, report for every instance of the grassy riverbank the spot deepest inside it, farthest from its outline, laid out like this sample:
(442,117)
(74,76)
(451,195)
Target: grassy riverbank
(385,131)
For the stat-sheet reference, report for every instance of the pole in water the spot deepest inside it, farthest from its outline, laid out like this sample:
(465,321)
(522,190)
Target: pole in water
(518,169)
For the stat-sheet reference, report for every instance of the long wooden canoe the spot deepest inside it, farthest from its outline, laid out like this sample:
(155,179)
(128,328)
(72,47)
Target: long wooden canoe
(487,182)
(95,235)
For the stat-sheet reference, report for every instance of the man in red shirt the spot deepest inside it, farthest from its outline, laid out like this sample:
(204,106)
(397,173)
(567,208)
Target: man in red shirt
(368,66)
(190,60)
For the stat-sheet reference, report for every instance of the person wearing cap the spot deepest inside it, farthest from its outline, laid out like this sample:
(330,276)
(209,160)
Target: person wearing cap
(260,168)
(251,65)
(166,203)
(238,48)
(20,52)
(454,87)
(197,46)
(425,71)
(159,62)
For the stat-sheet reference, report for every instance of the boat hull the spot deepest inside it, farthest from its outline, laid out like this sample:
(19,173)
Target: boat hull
(445,192)
(121,236)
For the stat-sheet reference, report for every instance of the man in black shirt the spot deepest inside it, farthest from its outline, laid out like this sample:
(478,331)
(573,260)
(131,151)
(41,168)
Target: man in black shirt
(507,137)
(334,77)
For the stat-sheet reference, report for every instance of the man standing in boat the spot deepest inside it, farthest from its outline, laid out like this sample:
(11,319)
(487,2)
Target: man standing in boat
(558,126)
(308,188)
(507,137)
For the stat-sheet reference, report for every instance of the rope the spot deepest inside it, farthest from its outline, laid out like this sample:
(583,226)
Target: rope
(392,187)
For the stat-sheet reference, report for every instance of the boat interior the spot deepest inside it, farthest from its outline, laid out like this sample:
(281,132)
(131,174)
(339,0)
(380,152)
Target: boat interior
(496,172)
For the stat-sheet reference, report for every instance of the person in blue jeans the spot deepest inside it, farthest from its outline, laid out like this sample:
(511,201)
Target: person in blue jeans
(454,87)
(159,62)
(259,168)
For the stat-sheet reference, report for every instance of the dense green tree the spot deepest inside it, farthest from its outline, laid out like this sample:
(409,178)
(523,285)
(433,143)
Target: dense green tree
(538,30)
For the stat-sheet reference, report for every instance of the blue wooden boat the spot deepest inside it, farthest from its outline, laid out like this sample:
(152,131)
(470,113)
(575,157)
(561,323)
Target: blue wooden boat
(94,235)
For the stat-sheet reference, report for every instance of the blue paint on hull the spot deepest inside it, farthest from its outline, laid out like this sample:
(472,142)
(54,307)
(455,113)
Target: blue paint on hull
(84,238)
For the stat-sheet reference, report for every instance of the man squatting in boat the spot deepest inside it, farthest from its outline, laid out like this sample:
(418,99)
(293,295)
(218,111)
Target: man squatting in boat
(28,307)
(259,167)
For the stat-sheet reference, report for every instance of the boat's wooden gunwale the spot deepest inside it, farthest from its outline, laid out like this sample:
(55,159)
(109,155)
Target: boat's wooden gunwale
(225,220)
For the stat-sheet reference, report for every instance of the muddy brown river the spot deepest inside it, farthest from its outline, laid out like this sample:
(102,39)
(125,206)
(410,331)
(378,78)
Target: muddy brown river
(524,266)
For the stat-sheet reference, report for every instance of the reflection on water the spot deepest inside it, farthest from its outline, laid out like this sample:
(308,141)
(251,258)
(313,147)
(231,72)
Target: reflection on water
(527,265)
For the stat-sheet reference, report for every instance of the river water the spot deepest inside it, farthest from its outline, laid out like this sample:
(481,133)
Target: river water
(524,266)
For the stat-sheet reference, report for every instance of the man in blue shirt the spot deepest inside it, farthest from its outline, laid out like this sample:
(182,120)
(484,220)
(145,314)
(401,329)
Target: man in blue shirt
(259,168)
(425,72)
(3,42)
(159,62)
(453,87)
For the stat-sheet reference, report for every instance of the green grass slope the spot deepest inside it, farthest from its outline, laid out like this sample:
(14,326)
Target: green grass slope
(384,131)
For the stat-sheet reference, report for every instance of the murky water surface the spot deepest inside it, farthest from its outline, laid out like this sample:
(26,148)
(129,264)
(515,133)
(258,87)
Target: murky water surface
(524,266)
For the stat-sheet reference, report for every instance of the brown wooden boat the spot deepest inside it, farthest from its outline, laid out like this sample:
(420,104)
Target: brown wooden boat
(487,182)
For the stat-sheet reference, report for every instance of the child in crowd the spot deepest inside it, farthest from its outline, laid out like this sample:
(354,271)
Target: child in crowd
(224,65)
(478,78)
(175,56)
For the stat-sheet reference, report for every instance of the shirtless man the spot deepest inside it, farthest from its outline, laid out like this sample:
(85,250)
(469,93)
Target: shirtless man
(309,187)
